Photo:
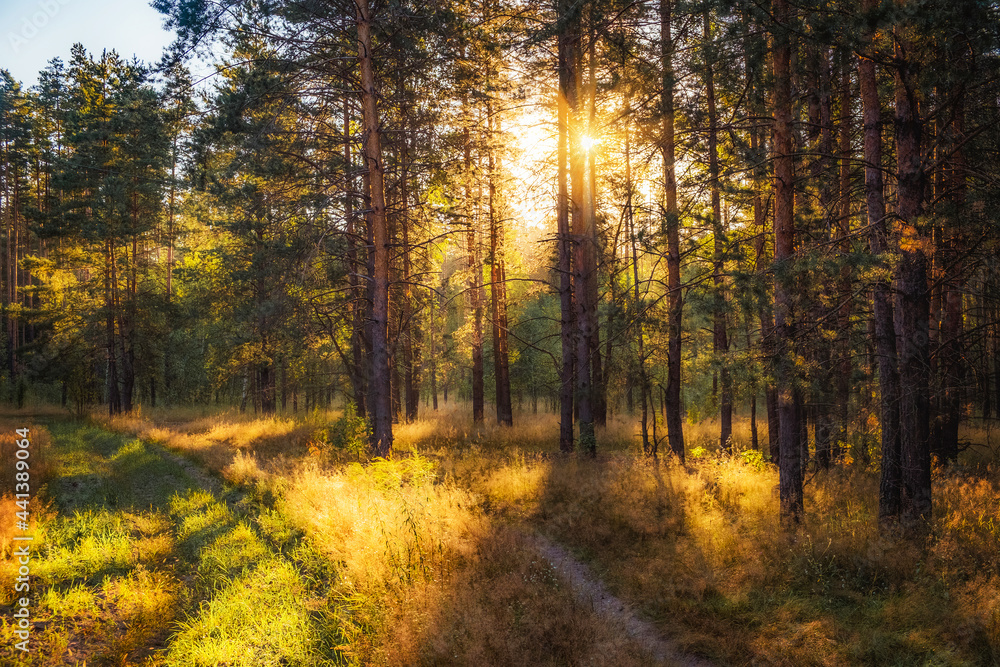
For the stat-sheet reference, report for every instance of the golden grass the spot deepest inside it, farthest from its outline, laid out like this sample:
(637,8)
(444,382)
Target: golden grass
(427,574)
(39,471)
(434,567)
(452,427)
(230,444)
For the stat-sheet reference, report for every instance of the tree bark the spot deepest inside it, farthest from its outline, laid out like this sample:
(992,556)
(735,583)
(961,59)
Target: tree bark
(790,469)
(410,333)
(952,363)
(844,284)
(599,405)
(647,447)
(675,422)
(566,327)
(720,336)
(913,306)
(583,242)
(474,287)
(498,289)
(357,368)
(380,405)
(885,336)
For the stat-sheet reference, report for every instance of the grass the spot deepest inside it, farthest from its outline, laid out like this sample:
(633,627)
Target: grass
(146,560)
(39,471)
(427,558)
(423,574)
(700,549)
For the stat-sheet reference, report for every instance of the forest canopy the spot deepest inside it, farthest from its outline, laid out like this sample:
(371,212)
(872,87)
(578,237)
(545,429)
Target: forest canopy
(680,210)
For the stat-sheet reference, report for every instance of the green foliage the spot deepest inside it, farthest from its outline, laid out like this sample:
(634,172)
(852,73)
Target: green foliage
(413,470)
(348,434)
(754,458)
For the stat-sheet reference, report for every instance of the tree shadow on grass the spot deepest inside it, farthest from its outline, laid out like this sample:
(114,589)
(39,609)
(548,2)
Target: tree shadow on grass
(143,566)
(498,599)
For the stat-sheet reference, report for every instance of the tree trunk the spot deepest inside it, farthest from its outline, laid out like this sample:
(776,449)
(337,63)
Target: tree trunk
(789,470)
(720,336)
(380,407)
(357,367)
(433,364)
(566,327)
(599,391)
(825,397)
(410,334)
(885,337)
(498,292)
(647,447)
(952,363)
(675,422)
(844,285)
(765,314)
(583,242)
(475,279)
(913,306)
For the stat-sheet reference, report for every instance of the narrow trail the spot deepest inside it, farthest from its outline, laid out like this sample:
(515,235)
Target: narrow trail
(591,592)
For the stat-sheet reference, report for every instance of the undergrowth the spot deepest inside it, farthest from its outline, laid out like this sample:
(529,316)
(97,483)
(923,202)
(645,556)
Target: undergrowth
(431,564)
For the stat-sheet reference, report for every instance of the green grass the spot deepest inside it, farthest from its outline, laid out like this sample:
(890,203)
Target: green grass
(145,560)
(424,559)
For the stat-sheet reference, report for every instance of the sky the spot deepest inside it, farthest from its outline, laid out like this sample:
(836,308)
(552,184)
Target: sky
(32,32)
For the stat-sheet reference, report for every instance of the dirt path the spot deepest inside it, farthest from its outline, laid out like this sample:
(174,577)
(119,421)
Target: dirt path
(589,591)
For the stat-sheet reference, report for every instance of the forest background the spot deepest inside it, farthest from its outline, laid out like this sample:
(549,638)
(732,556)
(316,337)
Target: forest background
(650,219)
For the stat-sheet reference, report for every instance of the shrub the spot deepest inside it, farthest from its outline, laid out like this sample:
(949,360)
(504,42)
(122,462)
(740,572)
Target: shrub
(348,434)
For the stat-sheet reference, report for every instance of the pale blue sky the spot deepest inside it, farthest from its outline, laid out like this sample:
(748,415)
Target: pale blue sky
(34,31)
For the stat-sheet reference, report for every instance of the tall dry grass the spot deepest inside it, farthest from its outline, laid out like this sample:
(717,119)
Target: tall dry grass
(241,448)
(434,567)
(40,469)
(452,427)
(427,573)
(426,577)
(700,547)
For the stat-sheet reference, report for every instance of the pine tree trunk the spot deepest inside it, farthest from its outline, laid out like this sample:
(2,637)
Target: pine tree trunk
(475,275)
(885,336)
(380,442)
(566,327)
(790,465)
(357,367)
(599,391)
(913,306)
(410,335)
(825,397)
(720,336)
(498,292)
(952,363)
(765,314)
(675,422)
(433,361)
(647,447)
(844,284)
(582,240)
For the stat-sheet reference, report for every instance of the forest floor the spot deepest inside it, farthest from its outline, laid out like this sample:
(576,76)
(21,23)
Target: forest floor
(185,538)
(142,558)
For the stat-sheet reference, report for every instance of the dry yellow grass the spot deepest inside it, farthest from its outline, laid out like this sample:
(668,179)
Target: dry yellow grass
(427,573)
(39,471)
(435,569)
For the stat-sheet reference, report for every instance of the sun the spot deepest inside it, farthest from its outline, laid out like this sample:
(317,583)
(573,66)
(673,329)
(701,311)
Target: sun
(588,143)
